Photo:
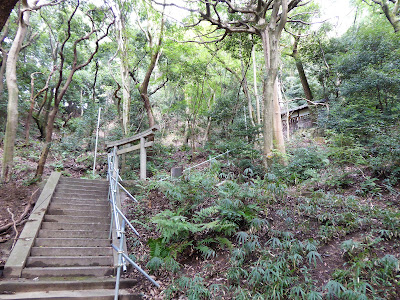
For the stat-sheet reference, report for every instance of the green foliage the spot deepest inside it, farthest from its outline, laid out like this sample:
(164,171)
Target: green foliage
(173,226)
(193,288)
(304,163)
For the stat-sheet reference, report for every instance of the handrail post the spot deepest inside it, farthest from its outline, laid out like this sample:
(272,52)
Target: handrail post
(143,159)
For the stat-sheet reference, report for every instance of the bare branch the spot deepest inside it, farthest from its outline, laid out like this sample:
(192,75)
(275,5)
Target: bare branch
(158,87)
(30,41)
(296,35)
(51,3)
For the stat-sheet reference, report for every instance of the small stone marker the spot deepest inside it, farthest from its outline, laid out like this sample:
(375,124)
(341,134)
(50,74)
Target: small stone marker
(176,172)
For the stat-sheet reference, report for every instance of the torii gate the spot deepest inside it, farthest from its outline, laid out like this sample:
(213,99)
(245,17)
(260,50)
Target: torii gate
(145,139)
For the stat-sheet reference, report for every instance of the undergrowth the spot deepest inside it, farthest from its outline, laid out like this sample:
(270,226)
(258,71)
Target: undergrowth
(273,237)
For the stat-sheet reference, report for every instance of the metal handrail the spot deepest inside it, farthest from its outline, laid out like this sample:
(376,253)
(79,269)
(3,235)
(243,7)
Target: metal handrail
(119,226)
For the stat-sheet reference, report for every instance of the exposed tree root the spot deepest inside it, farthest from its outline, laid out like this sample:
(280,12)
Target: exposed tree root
(20,220)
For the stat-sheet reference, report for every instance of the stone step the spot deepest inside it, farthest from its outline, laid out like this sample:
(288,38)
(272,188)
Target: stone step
(67,271)
(71,242)
(91,184)
(46,233)
(68,261)
(82,181)
(71,251)
(77,219)
(73,211)
(55,284)
(83,191)
(79,205)
(79,196)
(74,295)
(82,200)
(86,183)
(75,226)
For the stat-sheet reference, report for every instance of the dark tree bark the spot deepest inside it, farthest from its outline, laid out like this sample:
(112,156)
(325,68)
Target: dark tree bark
(6,6)
(300,70)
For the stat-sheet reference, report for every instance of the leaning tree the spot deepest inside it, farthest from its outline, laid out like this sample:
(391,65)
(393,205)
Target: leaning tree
(267,19)
(70,46)
(391,9)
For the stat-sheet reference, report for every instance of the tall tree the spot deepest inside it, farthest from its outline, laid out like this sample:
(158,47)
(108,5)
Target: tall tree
(266,19)
(123,54)
(95,34)
(12,87)
(155,50)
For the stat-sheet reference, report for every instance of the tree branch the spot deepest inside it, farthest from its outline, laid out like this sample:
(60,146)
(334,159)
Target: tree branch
(159,87)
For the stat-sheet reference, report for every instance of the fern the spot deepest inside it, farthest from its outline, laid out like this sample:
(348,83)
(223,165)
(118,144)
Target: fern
(275,242)
(155,264)
(170,264)
(313,295)
(224,242)
(158,248)
(207,252)
(242,237)
(312,256)
(335,289)
(205,213)
(258,223)
(174,226)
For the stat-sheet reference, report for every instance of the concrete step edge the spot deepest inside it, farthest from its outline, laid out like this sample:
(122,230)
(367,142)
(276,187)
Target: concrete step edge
(73,251)
(69,179)
(69,261)
(67,199)
(78,212)
(101,294)
(76,271)
(78,204)
(74,219)
(73,225)
(83,192)
(57,283)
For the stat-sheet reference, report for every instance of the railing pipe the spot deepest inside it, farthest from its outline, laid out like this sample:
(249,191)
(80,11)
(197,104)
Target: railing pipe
(136,266)
(125,190)
(127,221)
(113,176)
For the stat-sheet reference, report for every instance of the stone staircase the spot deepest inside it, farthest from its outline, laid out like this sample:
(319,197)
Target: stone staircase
(70,256)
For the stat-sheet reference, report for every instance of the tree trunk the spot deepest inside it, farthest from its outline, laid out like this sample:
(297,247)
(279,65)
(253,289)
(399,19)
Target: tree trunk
(59,92)
(47,145)
(278,130)
(126,97)
(4,55)
(124,69)
(300,70)
(149,110)
(42,121)
(246,90)
(32,101)
(258,109)
(12,87)
(271,54)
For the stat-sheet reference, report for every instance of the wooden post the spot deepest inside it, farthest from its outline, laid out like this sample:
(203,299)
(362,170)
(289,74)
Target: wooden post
(143,159)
